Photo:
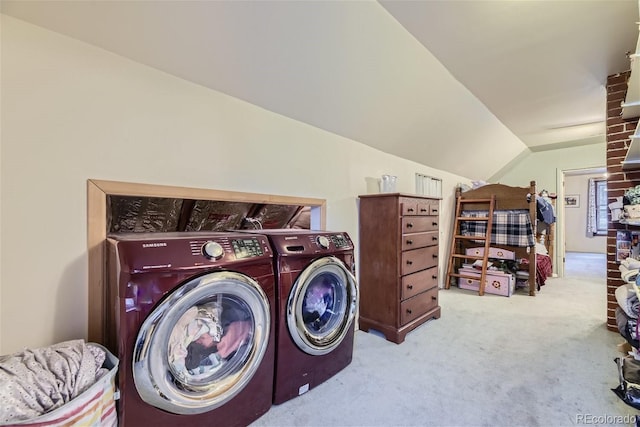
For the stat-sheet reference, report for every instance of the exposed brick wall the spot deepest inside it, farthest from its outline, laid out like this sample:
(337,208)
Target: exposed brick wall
(619,133)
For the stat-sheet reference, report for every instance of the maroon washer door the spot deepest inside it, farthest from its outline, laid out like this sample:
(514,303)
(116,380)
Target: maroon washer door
(202,344)
(321,306)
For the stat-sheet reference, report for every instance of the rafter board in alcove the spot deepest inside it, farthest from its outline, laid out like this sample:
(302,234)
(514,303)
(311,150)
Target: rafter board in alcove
(99,190)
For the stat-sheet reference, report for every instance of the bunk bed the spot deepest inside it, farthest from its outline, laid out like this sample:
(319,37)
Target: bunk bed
(515,214)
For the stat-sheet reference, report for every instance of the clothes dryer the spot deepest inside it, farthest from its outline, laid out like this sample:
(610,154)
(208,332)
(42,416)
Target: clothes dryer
(191,318)
(317,298)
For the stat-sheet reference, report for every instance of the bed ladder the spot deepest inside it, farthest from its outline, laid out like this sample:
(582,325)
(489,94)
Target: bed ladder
(458,238)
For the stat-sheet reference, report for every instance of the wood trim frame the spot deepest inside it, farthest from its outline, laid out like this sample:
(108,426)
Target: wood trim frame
(97,192)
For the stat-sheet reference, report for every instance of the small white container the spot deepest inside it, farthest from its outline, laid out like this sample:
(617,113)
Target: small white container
(388,184)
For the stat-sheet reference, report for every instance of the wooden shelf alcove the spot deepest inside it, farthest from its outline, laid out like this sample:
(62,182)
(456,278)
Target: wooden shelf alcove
(99,190)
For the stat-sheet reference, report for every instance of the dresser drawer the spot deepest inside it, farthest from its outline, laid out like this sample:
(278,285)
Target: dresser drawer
(416,224)
(418,305)
(424,208)
(419,259)
(419,240)
(409,207)
(434,208)
(415,283)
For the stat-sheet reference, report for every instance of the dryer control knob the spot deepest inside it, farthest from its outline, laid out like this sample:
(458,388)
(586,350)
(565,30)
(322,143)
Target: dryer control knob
(323,242)
(212,250)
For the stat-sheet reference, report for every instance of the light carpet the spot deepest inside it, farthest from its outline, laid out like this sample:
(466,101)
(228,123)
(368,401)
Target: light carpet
(488,361)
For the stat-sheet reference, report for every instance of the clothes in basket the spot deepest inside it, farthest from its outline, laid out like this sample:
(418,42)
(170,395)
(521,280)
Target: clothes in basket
(67,384)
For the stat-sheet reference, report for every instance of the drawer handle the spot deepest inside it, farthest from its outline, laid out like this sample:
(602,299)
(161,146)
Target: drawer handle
(409,286)
(435,211)
(435,224)
(410,225)
(435,255)
(435,276)
(409,242)
(433,297)
(423,210)
(408,310)
(434,238)
(410,210)
(409,262)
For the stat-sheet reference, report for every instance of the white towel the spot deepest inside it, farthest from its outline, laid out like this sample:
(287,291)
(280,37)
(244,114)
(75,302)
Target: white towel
(622,295)
(630,276)
(631,263)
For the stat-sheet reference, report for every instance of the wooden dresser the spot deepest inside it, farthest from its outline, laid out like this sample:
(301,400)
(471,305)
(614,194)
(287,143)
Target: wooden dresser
(398,268)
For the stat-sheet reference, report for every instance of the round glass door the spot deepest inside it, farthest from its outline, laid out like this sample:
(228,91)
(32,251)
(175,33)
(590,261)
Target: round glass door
(202,344)
(321,306)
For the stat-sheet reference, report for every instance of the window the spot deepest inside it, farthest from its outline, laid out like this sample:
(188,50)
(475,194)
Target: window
(598,207)
(428,186)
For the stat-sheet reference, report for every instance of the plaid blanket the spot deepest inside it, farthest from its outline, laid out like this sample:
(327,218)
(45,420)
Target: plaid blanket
(510,227)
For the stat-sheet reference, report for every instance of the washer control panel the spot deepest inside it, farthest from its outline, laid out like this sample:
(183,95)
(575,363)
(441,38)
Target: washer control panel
(140,252)
(340,241)
(246,248)
(331,241)
(299,241)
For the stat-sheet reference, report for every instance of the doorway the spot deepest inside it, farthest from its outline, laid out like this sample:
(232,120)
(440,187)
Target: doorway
(582,246)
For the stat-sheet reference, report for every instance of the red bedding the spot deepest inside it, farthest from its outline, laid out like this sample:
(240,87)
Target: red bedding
(544,269)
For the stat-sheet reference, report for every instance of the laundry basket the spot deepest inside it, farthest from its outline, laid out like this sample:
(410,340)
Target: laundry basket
(93,407)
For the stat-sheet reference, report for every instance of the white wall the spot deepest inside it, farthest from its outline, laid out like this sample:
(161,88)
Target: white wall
(542,166)
(576,238)
(71,112)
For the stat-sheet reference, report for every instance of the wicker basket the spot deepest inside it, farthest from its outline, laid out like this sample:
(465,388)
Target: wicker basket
(95,407)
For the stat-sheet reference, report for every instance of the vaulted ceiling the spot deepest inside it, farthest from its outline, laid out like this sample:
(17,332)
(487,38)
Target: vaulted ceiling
(443,83)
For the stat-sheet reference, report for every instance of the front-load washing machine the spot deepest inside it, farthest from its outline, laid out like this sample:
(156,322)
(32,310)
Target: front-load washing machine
(191,318)
(317,298)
